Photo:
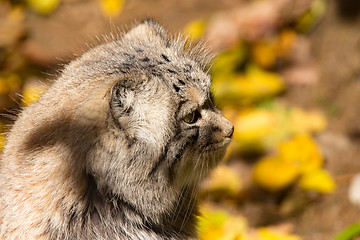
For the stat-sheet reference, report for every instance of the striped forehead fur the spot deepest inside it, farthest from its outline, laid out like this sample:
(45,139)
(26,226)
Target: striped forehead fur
(180,43)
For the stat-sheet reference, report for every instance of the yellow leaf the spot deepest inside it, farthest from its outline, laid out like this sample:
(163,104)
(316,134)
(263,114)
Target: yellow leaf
(4,89)
(210,223)
(263,128)
(2,141)
(305,122)
(286,42)
(226,89)
(238,89)
(264,83)
(229,61)
(32,91)
(252,128)
(217,224)
(265,53)
(43,6)
(312,16)
(14,82)
(195,29)
(234,228)
(273,174)
(270,234)
(2,137)
(9,83)
(302,152)
(16,14)
(296,157)
(223,180)
(318,180)
(111,8)
(316,121)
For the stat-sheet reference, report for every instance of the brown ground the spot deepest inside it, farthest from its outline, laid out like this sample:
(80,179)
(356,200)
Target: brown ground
(335,45)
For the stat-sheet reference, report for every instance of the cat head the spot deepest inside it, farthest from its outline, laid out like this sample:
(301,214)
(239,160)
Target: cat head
(158,127)
(162,103)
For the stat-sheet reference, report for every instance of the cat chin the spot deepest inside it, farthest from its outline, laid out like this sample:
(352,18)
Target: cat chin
(197,164)
(217,151)
(225,143)
(218,147)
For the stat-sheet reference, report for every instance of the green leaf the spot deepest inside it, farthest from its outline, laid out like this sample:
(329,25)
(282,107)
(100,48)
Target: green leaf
(349,233)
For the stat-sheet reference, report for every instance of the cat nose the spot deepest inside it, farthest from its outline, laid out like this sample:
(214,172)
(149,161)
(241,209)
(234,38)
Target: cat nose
(229,131)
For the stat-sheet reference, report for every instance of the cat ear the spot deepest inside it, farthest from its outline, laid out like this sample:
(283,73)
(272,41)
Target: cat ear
(122,98)
(148,28)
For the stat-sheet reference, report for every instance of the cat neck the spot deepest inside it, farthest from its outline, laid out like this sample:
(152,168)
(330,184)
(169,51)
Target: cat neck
(103,207)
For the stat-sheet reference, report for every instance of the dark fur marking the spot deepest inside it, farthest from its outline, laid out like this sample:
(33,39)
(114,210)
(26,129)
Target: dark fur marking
(130,56)
(158,163)
(171,71)
(44,136)
(126,67)
(122,202)
(145,59)
(165,57)
(178,155)
(105,149)
(208,133)
(106,196)
(116,72)
(117,94)
(110,127)
(139,50)
(191,140)
(158,229)
(118,125)
(179,107)
(128,110)
(116,122)
(131,161)
(163,156)
(211,97)
(156,73)
(72,217)
(177,89)
(84,224)
(188,67)
(168,44)
(191,127)
(181,82)
(100,202)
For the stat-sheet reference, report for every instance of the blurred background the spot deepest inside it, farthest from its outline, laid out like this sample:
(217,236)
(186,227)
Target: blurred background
(286,73)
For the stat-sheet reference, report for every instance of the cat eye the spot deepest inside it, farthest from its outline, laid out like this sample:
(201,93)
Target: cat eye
(192,117)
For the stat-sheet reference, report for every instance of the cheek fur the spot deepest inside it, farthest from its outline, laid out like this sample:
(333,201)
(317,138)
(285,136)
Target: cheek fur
(199,148)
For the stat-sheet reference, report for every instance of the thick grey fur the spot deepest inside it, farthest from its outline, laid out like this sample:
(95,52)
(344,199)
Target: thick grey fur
(107,152)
